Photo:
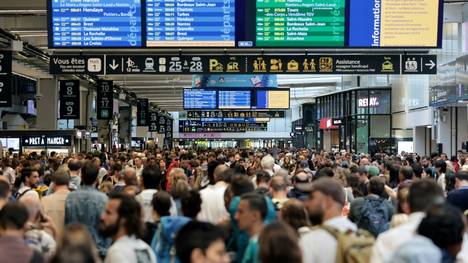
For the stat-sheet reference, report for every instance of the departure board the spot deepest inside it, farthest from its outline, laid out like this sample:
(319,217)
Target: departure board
(190,23)
(394,23)
(199,99)
(96,23)
(300,23)
(272,99)
(234,99)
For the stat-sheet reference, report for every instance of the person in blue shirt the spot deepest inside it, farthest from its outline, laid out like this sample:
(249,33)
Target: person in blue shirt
(459,197)
(250,216)
(86,205)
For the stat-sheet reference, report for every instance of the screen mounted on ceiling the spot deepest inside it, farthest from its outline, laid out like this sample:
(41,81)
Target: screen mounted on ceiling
(245,23)
(95,24)
(192,23)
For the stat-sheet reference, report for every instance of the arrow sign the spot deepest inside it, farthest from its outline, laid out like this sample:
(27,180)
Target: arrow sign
(113,66)
(419,64)
(431,64)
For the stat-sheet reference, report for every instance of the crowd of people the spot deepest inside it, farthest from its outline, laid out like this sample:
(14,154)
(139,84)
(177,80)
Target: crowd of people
(233,205)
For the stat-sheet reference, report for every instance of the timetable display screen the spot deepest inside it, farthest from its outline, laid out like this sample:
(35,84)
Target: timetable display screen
(395,23)
(94,24)
(199,99)
(190,23)
(234,99)
(302,23)
(243,24)
(272,99)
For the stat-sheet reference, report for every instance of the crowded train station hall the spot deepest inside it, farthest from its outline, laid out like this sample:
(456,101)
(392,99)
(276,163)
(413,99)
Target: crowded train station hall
(243,131)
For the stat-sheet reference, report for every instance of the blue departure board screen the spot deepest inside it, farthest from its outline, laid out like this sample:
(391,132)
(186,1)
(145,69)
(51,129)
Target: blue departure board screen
(199,99)
(190,23)
(234,99)
(95,23)
(272,99)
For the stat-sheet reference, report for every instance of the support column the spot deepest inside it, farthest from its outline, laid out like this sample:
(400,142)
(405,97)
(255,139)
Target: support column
(125,124)
(47,104)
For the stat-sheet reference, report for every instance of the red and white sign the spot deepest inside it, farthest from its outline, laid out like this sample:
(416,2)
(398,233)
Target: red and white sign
(327,123)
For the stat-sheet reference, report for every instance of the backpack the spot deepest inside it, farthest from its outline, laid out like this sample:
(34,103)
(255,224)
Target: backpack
(352,247)
(163,240)
(374,216)
(17,195)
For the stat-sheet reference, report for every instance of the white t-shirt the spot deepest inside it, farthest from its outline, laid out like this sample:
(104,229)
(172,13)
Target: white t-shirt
(145,198)
(389,241)
(130,250)
(213,209)
(27,191)
(320,246)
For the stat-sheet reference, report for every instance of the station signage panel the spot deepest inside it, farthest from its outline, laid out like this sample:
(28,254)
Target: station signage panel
(43,141)
(235,81)
(190,23)
(105,100)
(197,126)
(5,79)
(142,112)
(95,24)
(417,64)
(243,24)
(245,64)
(374,23)
(69,99)
(302,23)
(153,122)
(235,114)
(76,64)
(168,133)
(162,124)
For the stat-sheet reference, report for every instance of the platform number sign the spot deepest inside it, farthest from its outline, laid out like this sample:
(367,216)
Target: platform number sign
(162,124)
(153,122)
(5,79)
(69,99)
(105,100)
(142,112)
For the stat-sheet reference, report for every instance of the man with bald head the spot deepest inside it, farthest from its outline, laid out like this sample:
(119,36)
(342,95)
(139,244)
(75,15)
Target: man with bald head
(212,207)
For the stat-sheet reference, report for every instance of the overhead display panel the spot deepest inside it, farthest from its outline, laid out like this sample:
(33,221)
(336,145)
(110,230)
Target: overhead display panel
(200,99)
(95,24)
(234,99)
(272,99)
(304,23)
(301,24)
(190,23)
(395,23)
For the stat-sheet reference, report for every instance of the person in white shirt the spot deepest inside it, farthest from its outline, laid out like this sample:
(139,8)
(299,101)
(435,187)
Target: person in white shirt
(423,195)
(29,179)
(121,221)
(213,209)
(441,168)
(138,165)
(151,180)
(326,202)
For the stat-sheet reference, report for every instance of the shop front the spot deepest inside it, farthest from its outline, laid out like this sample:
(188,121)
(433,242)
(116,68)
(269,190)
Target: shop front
(357,120)
(26,141)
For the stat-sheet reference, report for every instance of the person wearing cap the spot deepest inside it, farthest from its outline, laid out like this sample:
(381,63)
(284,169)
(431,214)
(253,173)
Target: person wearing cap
(459,197)
(373,171)
(324,205)
(301,182)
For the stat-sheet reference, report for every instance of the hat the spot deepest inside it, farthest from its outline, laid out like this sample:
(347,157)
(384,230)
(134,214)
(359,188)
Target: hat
(344,164)
(462,175)
(373,171)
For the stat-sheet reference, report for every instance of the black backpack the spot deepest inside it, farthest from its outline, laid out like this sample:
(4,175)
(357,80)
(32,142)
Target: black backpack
(374,216)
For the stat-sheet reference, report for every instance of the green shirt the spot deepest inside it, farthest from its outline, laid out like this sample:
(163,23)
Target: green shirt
(251,252)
